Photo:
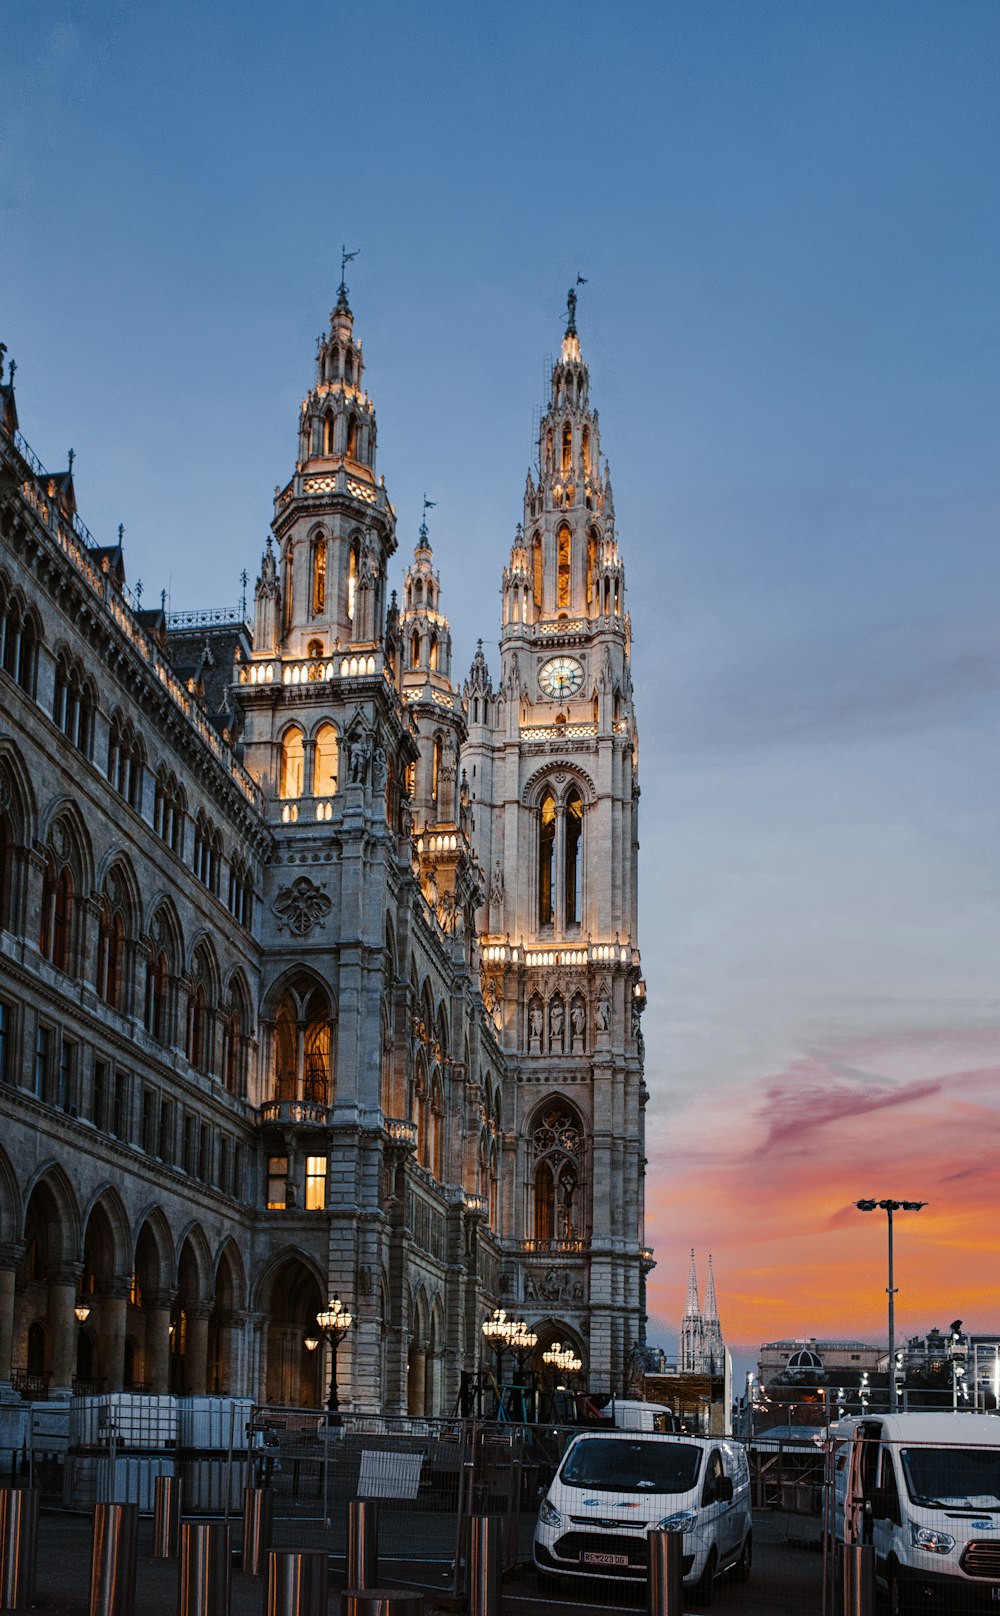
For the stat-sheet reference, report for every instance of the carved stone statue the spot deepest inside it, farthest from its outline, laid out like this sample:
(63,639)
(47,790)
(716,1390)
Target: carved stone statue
(380,772)
(578,1020)
(359,754)
(557,1020)
(535,1024)
(602,1014)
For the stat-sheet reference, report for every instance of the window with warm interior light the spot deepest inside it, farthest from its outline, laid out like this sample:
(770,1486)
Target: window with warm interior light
(315,1183)
(325,762)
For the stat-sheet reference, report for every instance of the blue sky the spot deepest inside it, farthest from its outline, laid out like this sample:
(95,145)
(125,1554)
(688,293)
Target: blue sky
(788,217)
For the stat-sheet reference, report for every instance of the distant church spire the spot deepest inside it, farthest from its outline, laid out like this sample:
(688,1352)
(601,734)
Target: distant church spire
(692,1307)
(711,1306)
(702,1349)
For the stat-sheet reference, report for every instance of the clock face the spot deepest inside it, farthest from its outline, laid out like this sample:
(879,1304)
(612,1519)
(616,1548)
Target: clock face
(560,676)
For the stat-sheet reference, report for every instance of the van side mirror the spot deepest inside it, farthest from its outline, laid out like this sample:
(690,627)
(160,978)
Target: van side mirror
(724,1490)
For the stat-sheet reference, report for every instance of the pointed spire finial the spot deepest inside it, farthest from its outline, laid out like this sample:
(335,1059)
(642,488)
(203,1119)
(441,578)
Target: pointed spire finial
(72,457)
(13,371)
(692,1306)
(345,259)
(3,355)
(121,533)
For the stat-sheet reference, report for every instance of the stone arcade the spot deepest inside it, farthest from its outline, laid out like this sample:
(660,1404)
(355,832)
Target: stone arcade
(318,973)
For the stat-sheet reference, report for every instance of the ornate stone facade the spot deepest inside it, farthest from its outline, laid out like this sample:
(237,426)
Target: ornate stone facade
(268,1029)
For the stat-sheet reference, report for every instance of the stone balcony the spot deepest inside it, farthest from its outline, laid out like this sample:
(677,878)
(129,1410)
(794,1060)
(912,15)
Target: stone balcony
(294,1114)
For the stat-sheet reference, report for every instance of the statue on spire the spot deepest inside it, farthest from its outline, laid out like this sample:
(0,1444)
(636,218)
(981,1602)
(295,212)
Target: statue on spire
(345,259)
(429,505)
(581,280)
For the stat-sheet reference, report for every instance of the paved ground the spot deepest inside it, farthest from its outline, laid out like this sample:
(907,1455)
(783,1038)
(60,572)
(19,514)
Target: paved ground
(786,1578)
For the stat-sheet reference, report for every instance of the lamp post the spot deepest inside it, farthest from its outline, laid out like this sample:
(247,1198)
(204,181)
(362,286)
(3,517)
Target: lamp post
(334,1321)
(889,1207)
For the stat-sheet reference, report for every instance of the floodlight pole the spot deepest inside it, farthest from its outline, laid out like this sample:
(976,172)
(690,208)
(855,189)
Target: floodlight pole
(889,1207)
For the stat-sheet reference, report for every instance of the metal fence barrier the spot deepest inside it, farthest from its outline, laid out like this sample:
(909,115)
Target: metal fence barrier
(486,1540)
(258,1515)
(362,1543)
(18,1547)
(113,1559)
(296,1583)
(166,1516)
(205,1569)
(859,1579)
(666,1593)
(381,1602)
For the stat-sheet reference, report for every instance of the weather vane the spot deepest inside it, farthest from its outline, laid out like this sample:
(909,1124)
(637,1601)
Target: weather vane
(581,280)
(345,259)
(429,505)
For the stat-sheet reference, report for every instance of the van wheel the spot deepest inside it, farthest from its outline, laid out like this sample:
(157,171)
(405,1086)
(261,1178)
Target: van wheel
(743,1564)
(703,1592)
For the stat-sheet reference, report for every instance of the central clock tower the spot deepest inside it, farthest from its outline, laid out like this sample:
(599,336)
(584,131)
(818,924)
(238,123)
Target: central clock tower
(551,759)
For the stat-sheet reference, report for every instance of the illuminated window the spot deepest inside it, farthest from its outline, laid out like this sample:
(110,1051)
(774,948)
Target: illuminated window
(546,858)
(352,579)
(567,446)
(315,1183)
(536,568)
(325,765)
(573,831)
(319,577)
(293,758)
(565,551)
(415,650)
(277,1175)
(586,450)
(436,767)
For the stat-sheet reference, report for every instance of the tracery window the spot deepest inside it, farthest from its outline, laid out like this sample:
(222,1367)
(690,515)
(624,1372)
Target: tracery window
(567,446)
(125,761)
(572,837)
(19,641)
(560,848)
(111,935)
(302,1047)
(58,891)
(169,806)
(74,704)
(546,858)
(557,1148)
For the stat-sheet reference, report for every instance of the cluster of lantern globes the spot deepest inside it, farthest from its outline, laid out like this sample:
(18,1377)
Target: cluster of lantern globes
(505,1334)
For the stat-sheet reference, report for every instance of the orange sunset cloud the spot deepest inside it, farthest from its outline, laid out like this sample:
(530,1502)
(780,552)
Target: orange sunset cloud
(785,1161)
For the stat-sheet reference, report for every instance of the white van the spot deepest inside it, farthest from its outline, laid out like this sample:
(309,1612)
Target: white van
(614,1487)
(629,1414)
(924,1489)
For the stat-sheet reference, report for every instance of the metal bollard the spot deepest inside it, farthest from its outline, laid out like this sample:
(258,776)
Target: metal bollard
(381,1602)
(113,1559)
(296,1582)
(18,1547)
(166,1516)
(666,1590)
(362,1543)
(485,1564)
(859,1579)
(203,1583)
(258,1514)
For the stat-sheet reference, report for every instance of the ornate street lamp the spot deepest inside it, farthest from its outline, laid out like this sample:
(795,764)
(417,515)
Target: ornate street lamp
(82,1310)
(562,1360)
(889,1207)
(334,1321)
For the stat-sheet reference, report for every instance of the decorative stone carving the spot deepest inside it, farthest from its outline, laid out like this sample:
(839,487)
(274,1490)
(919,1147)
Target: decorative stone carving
(578,1022)
(557,1019)
(301,907)
(536,1022)
(602,1014)
(380,772)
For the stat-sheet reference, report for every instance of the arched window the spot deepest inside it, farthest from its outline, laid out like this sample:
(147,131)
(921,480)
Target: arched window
(573,863)
(302,1047)
(352,437)
(557,1149)
(585,450)
(433,660)
(565,546)
(7,855)
(326,763)
(415,650)
(591,563)
(200,1051)
(329,424)
(567,446)
(157,989)
(319,575)
(110,951)
(55,939)
(435,1130)
(548,448)
(293,760)
(353,561)
(546,858)
(536,569)
(436,767)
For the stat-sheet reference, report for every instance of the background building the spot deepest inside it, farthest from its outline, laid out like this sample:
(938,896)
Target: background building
(317,974)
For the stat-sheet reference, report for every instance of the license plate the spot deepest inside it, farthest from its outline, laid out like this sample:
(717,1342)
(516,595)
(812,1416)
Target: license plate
(604,1559)
(995,1593)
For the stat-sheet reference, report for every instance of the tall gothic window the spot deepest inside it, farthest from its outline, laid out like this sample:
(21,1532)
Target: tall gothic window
(536,569)
(567,446)
(111,935)
(56,935)
(572,836)
(302,1047)
(415,650)
(436,767)
(585,450)
(564,559)
(325,764)
(293,759)
(353,561)
(557,1149)
(319,576)
(546,858)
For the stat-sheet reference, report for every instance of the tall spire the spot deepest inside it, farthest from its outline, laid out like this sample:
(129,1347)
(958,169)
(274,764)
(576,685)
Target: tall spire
(711,1306)
(692,1307)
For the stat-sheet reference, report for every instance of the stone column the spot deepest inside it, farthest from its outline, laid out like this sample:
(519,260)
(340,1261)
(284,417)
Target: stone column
(6,1332)
(196,1351)
(114,1306)
(416,1380)
(156,1354)
(233,1379)
(61,1330)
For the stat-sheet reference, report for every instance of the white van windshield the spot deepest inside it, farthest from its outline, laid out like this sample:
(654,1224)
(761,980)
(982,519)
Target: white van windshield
(632,1467)
(968,1477)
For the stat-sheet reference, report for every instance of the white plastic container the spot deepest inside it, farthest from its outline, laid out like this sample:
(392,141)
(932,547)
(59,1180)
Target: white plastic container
(208,1424)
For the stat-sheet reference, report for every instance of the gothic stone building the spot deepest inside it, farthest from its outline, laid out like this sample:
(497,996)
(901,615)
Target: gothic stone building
(317,973)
